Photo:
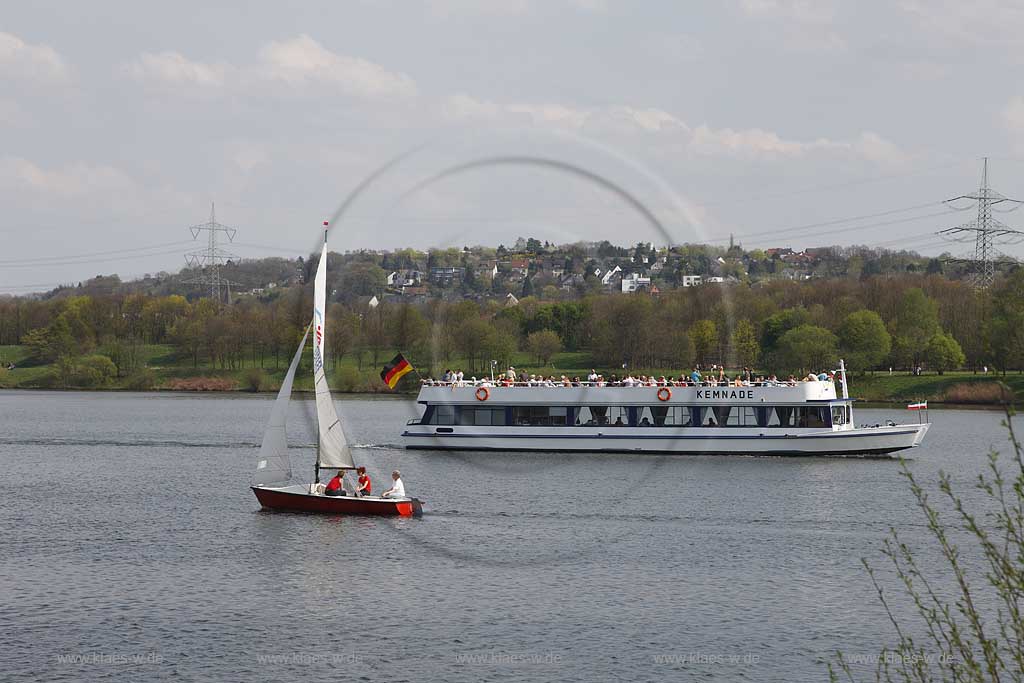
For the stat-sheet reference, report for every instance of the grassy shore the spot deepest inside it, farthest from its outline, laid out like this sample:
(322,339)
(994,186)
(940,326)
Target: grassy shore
(161,368)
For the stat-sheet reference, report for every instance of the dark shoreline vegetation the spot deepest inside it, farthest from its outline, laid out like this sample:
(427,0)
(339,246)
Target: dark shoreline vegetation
(911,335)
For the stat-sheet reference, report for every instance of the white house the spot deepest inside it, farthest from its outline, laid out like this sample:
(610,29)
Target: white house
(634,281)
(691,280)
(607,277)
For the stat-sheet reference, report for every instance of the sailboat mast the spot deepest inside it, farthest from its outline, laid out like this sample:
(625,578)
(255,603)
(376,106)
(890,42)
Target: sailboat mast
(316,467)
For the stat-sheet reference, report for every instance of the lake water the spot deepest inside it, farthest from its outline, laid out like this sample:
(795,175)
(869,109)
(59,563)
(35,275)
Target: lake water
(133,549)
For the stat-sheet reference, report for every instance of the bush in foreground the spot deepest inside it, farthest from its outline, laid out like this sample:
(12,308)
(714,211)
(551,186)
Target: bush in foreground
(978,635)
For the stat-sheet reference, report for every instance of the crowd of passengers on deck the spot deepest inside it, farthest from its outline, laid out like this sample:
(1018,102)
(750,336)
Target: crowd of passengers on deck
(716,377)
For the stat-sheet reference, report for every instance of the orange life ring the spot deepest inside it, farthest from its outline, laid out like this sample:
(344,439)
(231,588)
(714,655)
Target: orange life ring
(664,394)
(483,393)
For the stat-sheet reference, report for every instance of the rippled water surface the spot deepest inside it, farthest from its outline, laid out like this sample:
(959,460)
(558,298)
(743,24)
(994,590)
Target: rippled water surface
(133,549)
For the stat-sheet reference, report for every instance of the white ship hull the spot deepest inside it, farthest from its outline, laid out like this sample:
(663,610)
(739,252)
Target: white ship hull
(804,418)
(858,441)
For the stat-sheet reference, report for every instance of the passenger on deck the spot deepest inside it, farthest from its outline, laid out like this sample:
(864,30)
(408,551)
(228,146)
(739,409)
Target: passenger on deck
(336,486)
(696,377)
(592,377)
(511,374)
(365,487)
(397,489)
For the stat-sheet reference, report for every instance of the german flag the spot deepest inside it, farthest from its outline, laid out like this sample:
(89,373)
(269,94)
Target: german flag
(398,368)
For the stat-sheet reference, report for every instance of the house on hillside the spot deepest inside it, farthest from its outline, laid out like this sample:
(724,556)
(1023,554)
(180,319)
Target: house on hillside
(571,282)
(635,282)
(690,280)
(519,268)
(511,300)
(446,276)
(609,278)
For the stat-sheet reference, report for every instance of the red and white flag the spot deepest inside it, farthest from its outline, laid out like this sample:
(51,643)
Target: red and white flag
(922,405)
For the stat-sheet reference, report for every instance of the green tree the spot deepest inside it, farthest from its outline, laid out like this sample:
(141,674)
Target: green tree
(543,344)
(471,338)
(745,348)
(943,353)
(916,322)
(1006,324)
(807,348)
(863,340)
(704,335)
(499,347)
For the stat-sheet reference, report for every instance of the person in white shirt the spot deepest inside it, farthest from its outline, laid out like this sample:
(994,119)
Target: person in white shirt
(592,377)
(397,489)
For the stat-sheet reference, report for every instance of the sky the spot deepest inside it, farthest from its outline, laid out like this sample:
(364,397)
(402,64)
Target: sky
(781,122)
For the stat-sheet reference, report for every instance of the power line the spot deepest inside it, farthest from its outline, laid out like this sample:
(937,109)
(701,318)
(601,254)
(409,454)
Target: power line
(212,258)
(77,262)
(44,259)
(985,231)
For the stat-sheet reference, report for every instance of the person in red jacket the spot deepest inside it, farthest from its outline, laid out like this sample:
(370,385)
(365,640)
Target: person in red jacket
(364,487)
(336,486)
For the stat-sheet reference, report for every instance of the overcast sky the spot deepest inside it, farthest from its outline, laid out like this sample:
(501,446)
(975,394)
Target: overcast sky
(121,121)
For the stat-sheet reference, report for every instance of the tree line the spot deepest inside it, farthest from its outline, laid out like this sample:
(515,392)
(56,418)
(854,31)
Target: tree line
(903,321)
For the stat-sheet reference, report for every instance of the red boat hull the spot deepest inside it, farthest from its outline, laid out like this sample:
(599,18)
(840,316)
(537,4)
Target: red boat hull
(278,499)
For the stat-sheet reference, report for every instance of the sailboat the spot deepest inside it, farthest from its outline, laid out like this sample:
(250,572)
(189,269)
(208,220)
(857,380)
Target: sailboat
(272,479)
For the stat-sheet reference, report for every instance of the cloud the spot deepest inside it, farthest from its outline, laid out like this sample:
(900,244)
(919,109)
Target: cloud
(465,108)
(173,69)
(300,63)
(303,61)
(701,140)
(974,23)
(801,11)
(71,181)
(807,25)
(21,60)
(1013,119)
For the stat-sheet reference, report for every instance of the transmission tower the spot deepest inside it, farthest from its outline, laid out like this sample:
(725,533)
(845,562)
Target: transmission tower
(211,258)
(985,231)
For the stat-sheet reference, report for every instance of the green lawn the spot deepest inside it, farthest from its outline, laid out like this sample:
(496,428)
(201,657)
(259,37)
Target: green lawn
(931,387)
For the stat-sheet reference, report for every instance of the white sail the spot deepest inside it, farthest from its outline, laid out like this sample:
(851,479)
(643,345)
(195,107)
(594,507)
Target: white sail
(274,465)
(334,451)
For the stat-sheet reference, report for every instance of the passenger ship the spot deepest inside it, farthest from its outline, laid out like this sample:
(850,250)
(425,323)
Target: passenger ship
(802,418)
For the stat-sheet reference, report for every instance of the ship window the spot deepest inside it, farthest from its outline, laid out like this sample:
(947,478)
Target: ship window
(487,416)
(748,416)
(838,415)
(442,415)
(599,416)
(544,416)
(664,416)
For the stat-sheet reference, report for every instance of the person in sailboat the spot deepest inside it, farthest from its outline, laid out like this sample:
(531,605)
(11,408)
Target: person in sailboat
(397,489)
(336,486)
(364,487)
